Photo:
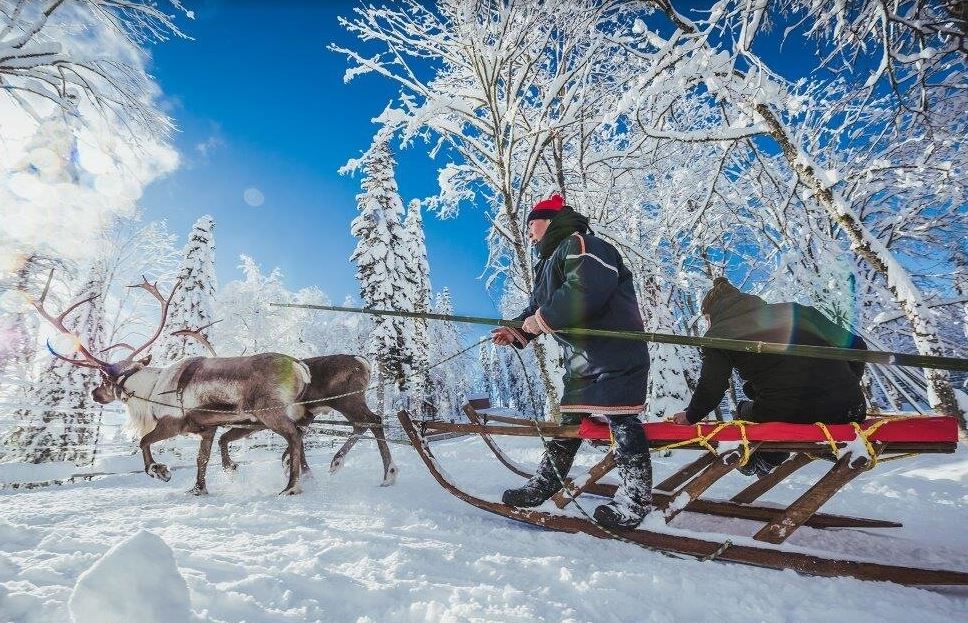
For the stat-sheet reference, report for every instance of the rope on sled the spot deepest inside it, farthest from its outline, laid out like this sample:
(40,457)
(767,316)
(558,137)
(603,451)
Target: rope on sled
(705,440)
(865,436)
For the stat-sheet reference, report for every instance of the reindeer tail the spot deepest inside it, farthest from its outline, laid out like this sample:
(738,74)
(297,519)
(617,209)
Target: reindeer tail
(366,364)
(303,371)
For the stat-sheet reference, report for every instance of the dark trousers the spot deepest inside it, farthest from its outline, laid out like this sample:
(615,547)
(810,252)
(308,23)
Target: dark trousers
(758,411)
(627,431)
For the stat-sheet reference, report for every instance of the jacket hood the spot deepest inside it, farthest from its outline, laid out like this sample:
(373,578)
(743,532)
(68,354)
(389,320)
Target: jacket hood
(728,306)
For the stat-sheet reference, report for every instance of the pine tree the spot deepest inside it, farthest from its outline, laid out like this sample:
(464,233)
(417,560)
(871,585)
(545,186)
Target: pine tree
(66,430)
(194,303)
(417,275)
(382,264)
(450,380)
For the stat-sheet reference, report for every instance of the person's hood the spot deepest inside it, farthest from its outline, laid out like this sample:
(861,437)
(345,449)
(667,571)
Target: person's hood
(728,307)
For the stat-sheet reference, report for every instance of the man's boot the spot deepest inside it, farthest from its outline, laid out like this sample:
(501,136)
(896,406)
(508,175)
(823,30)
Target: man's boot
(762,462)
(558,457)
(633,500)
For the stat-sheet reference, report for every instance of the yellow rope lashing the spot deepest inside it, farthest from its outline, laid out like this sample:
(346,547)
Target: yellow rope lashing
(865,435)
(830,439)
(704,440)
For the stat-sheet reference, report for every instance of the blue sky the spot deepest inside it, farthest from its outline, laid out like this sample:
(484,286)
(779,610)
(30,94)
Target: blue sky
(260,104)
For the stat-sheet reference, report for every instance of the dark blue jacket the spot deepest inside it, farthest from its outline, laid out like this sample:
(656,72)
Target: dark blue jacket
(585,284)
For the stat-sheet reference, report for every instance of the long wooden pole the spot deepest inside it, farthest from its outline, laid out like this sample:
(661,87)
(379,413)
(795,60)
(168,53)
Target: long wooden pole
(748,346)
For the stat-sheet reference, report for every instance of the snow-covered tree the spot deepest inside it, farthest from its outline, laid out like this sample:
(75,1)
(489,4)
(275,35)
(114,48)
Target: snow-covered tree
(82,132)
(384,269)
(801,118)
(60,422)
(193,305)
(47,56)
(449,382)
(250,324)
(518,81)
(417,275)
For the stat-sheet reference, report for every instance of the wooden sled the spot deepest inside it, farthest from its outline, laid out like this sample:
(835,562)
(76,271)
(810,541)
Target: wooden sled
(725,447)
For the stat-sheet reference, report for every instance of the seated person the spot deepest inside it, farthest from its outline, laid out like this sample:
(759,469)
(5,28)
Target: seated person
(780,388)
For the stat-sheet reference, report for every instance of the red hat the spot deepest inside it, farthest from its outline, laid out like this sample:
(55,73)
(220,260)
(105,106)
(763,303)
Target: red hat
(547,208)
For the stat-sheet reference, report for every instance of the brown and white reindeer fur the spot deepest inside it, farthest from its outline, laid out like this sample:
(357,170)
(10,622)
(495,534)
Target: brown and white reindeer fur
(198,394)
(332,375)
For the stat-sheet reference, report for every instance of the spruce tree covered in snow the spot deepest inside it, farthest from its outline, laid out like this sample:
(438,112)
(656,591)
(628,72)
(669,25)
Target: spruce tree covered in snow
(450,382)
(417,275)
(193,305)
(19,322)
(383,266)
(60,423)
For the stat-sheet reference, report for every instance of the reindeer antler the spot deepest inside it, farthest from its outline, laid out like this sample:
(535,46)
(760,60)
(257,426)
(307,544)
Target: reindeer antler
(89,361)
(151,288)
(198,335)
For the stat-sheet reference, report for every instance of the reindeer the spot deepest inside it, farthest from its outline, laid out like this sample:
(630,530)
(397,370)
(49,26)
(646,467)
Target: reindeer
(194,395)
(338,383)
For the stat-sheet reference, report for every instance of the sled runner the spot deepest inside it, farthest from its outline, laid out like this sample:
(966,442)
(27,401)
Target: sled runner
(850,450)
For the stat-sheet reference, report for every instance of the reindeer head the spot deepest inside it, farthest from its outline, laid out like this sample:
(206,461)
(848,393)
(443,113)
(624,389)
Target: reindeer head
(113,375)
(113,378)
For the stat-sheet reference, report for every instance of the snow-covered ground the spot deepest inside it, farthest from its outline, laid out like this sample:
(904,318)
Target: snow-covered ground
(348,550)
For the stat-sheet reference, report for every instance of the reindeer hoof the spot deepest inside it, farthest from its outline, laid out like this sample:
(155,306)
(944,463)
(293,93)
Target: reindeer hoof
(196,490)
(159,471)
(391,477)
(230,467)
(293,490)
(335,464)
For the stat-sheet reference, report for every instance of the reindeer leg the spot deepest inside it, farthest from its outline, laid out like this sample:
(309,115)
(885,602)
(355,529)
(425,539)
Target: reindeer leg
(279,422)
(228,437)
(204,452)
(340,456)
(303,417)
(355,409)
(389,467)
(166,428)
(305,422)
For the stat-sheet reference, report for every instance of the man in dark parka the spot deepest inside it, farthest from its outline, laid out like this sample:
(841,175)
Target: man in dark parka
(581,281)
(781,388)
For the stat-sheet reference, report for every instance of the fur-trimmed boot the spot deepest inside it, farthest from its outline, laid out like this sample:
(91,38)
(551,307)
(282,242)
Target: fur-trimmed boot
(633,500)
(558,457)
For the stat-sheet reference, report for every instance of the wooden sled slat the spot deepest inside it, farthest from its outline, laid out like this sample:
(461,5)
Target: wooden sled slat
(690,546)
(574,489)
(767,482)
(470,410)
(675,504)
(794,516)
